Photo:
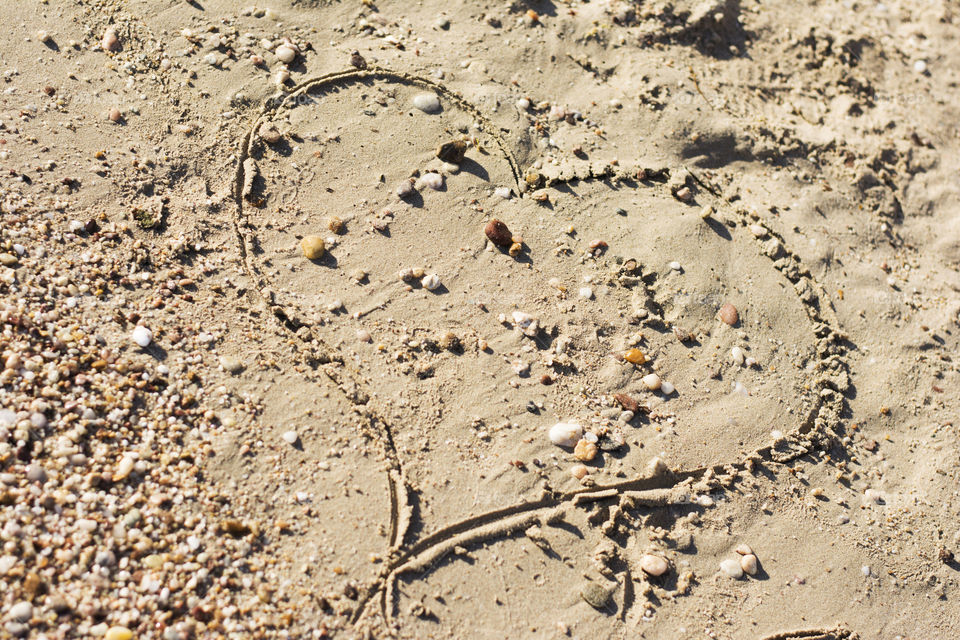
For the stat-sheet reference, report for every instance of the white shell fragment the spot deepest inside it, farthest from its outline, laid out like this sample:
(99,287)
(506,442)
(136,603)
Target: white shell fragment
(432,180)
(527,323)
(749,564)
(427,102)
(142,336)
(430,282)
(731,567)
(286,53)
(565,434)
(737,355)
(652,381)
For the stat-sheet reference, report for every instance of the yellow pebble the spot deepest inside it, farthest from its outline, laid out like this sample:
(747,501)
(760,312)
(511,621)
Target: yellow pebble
(635,356)
(118,633)
(313,247)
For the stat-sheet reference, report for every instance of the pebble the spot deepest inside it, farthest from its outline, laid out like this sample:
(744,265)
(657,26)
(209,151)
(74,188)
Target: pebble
(36,473)
(110,41)
(586,293)
(579,471)
(749,564)
(286,53)
(729,314)
(585,451)
(527,323)
(21,612)
(523,104)
(920,66)
(433,180)
(503,192)
(595,595)
(758,230)
(667,388)
(231,364)
(627,402)
(313,247)
(427,102)
(118,633)
(743,549)
(565,434)
(731,567)
(364,336)
(498,233)
(635,356)
(452,152)
(652,381)
(115,115)
(404,189)
(430,282)
(290,437)
(142,336)
(653,565)
(737,355)
(675,266)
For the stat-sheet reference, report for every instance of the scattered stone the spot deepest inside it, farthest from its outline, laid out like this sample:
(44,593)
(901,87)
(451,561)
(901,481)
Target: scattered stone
(635,356)
(118,633)
(586,293)
(110,41)
(579,471)
(142,336)
(430,282)
(667,388)
(498,233)
(749,564)
(313,247)
(453,151)
(36,473)
(612,440)
(653,565)
(115,116)
(585,451)
(21,612)
(427,102)
(731,567)
(231,365)
(358,60)
(565,434)
(405,189)
(737,355)
(729,314)
(651,381)
(290,437)
(527,323)
(626,402)
(743,549)
(286,53)
(945,555)
(595,595)
(433,180)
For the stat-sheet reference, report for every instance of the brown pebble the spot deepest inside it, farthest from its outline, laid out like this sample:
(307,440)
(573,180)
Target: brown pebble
(313,247)
(729,314)
(945,555)
(635,356)
(546,379)
(453,151)
(110,40)
(336,225)
(515,249)
(115,115)
(498,233)
(585,451)
(626,402)
(357,60)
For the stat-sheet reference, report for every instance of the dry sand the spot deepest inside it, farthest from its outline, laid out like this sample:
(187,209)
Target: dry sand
(358,445)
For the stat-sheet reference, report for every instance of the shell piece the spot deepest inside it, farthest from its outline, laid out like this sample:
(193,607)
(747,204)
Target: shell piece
(430,281)
(743,549)
(612,440)
(565,434)
(110,40)
(124,468)
(313,247)
(527,323)
(498,233)
(432,180)
(729,314)
(737,355)
(595,595)
(579,471)
(653,565)
(749,564)
(286,53)
(651,381)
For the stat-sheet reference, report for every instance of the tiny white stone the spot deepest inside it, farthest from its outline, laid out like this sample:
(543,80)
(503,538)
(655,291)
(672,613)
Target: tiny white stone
(651,381)
(290,437)
(21,612)
(653,565)
(523,104)
(427,102)
(520,368)
(430,281)
(503,192)
(758,230)
(737,355)
(749,362)
(432,180)
(667,388)
(210,58)
(732,568)
(586,293)
(749,564)
(590,437)
(527,323)
(142,336)
(675,266)
(286,54)
(920,66)
(865,570)
(565,434)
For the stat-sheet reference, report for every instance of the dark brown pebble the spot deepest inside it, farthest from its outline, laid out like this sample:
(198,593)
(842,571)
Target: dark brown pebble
(626,402)
(729,314)
(452,151)
(498,233)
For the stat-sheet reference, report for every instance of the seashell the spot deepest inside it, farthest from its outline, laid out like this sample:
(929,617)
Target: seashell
(737,355)
(110,40)
(729,314)
(527,323)
(565,434)
(124,468)
(430,282)
(452,151)
(585,451)
(313,247)
(498,233)
(579,471)
(749,564)
(743,549)
(653,565)
(282,77)
(427,102)
(651,381)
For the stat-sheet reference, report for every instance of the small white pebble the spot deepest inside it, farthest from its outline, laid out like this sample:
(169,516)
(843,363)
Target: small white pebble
(667,388)
(920,66)
(651,381)
(432,180)
(865,570)
(523,104)
(286,54)
(586,293)
(290,437)
(427,102)
(737,355)
(675,266)
(503,192)
(564,434)
(142,336)
(731,567)
(430,282)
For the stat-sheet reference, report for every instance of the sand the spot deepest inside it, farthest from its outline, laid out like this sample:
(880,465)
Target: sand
(356,445)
